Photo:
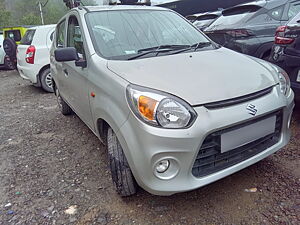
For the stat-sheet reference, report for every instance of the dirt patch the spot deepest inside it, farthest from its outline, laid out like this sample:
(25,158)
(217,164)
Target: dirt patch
(49,162)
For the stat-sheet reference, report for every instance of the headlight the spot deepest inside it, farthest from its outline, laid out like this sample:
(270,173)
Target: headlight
(284,81)
(160,109)
(280,75)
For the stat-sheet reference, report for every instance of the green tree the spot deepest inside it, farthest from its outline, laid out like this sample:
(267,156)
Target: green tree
(53,12)
(5,16)
(30,19)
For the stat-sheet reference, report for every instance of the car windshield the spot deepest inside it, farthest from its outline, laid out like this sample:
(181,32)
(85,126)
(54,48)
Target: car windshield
(122,34)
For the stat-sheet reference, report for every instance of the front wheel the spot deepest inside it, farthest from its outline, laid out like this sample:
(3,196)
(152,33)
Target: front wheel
(120,171)
(63,106)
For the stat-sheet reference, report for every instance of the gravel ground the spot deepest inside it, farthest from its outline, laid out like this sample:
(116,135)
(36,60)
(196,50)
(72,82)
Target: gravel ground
(50,163)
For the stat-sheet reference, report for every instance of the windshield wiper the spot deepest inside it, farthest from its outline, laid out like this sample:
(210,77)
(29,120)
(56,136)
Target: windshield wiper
(157,50)
(169,48)
(194,46)
(149,52)
(163,47)
(201,45)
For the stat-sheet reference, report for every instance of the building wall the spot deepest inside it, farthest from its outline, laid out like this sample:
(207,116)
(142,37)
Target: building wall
(188,7)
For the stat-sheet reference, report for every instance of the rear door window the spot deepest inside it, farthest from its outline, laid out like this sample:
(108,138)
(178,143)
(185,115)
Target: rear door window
(13,34)
(28,37)
(276,13)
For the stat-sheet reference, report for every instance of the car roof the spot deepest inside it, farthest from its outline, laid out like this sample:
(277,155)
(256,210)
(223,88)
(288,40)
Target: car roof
(43,27)
(122,7)
(262,3)
(268,4)
(217,13)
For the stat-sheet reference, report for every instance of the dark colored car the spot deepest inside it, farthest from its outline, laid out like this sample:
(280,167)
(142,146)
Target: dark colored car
(286,52)
(249,28)
(204,20)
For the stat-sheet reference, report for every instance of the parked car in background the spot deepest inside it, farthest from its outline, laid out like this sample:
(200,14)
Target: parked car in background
(33,57)
(12,37)
(286,52)
(167,126)
(2,52)
(249,28)
(15,33)
(204,20)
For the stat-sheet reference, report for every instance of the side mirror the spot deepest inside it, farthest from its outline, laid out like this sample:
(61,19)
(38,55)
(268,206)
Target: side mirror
(66,54)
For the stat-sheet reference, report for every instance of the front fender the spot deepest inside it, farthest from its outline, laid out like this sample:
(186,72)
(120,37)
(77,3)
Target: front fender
(109,102)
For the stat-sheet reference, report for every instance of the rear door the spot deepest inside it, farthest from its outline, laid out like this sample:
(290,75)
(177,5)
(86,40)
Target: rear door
(22,48)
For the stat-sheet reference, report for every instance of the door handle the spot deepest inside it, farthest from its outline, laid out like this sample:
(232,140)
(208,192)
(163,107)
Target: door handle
(66,72)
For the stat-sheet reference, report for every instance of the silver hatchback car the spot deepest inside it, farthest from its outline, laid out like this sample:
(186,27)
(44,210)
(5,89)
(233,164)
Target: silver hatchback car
(175,110)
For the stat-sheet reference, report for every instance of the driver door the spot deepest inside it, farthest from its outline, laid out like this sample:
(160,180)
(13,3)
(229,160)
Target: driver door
(76,76)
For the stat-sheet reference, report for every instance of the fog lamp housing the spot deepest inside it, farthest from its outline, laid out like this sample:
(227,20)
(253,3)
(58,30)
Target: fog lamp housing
(162,166)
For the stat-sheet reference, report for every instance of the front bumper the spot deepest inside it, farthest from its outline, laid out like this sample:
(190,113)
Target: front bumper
(144,145)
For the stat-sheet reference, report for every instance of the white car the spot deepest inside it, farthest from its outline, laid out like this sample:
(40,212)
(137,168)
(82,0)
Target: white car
(33,56)
(2,52)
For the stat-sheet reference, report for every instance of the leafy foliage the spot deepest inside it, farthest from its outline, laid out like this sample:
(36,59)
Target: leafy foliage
(5,16)
(26,12)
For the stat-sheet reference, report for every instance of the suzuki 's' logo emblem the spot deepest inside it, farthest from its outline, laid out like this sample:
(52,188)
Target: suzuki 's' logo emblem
(252,110)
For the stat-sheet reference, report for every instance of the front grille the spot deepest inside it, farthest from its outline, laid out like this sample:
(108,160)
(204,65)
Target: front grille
(210,159)
(238,100)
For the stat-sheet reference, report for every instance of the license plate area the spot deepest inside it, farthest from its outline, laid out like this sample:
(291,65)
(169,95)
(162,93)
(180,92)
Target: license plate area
(247,134)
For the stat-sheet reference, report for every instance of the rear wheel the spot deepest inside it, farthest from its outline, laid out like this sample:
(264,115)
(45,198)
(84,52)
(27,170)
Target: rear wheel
(120,171)
(63,106)
(46,80)
(8,64)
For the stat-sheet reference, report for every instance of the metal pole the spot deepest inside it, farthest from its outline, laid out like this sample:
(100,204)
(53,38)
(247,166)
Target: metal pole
(41,11)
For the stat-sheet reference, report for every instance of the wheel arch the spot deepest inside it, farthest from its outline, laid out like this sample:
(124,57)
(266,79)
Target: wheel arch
(264,50)
(43,69)
(102,128)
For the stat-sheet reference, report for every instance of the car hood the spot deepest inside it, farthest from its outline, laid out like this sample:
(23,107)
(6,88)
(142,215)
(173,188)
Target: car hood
(199,77)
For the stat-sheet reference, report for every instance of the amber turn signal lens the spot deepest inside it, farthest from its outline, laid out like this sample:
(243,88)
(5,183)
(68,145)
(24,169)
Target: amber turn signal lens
(147,107)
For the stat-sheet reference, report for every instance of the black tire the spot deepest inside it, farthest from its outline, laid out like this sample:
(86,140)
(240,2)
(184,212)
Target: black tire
(8,64)
(62,105)
(267,56)
(10,47)
(46,80)
(120,171)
